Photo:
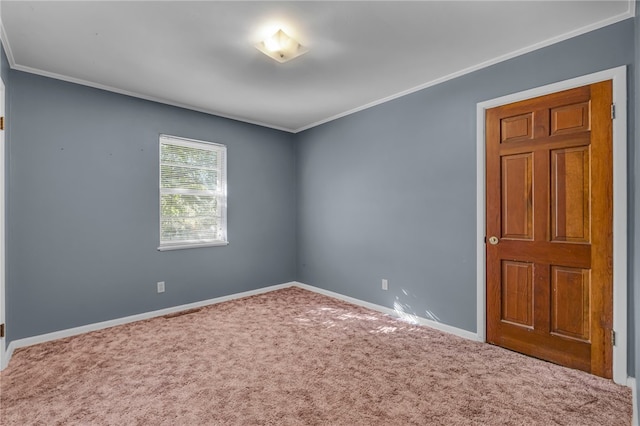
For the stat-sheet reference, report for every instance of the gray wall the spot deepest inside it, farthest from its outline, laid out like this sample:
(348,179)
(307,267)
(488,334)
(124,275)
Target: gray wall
(83,208)
(390,192)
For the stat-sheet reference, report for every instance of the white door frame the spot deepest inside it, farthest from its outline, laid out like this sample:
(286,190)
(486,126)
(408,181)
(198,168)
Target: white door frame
(2,228)
(619,77)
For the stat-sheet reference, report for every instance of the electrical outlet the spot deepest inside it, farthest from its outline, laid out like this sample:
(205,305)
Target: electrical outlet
(160,286)
(385,284)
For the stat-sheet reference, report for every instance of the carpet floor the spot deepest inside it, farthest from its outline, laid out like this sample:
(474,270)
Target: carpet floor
(294,357)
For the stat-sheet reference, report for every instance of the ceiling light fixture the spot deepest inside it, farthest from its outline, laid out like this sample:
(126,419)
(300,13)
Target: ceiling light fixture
(281,47)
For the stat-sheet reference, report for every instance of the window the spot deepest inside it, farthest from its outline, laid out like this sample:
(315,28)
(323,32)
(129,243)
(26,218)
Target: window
(193,193)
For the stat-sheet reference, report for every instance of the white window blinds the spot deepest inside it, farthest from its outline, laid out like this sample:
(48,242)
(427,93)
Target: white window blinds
(193,193)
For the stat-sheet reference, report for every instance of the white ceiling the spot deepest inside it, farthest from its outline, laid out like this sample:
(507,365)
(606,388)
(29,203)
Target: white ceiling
(201,55)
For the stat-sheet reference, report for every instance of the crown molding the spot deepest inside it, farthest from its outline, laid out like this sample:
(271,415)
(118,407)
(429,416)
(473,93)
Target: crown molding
(630,13)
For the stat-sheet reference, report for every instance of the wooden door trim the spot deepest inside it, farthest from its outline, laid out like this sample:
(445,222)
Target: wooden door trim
(619,77)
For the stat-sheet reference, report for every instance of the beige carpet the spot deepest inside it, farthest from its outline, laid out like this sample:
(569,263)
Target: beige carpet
(293,357)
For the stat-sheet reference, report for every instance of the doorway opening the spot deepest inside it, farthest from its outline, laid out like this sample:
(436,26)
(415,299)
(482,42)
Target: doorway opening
(619,128)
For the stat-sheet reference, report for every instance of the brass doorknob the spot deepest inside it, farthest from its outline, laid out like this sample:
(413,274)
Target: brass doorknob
(493,240)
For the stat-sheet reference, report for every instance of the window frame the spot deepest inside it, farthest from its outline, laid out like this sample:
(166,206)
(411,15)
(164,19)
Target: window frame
(220,194)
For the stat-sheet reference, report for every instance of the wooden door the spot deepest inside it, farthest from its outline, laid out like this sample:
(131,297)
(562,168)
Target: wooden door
(549,198)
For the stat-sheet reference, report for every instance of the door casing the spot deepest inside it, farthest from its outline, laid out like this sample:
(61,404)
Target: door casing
(618,75)
(3,355)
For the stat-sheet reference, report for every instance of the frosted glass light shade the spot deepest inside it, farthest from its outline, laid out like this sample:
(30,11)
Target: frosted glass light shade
(281,47)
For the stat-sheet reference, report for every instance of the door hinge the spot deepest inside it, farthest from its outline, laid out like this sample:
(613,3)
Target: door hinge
(613,338)
(1,123)
(1,330)
(613,111)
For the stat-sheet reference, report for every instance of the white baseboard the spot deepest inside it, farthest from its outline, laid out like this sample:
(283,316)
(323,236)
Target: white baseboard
(631,382)
(29,341)
(389,311)
(7,356)
(34,340)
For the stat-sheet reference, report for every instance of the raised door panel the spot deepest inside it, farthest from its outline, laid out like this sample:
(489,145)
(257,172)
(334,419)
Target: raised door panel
(517,203)
(570,118)
(571,302)
(517,293)
(516,128)
(570,195)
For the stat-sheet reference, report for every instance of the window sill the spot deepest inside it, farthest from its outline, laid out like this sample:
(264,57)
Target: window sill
(190,246)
